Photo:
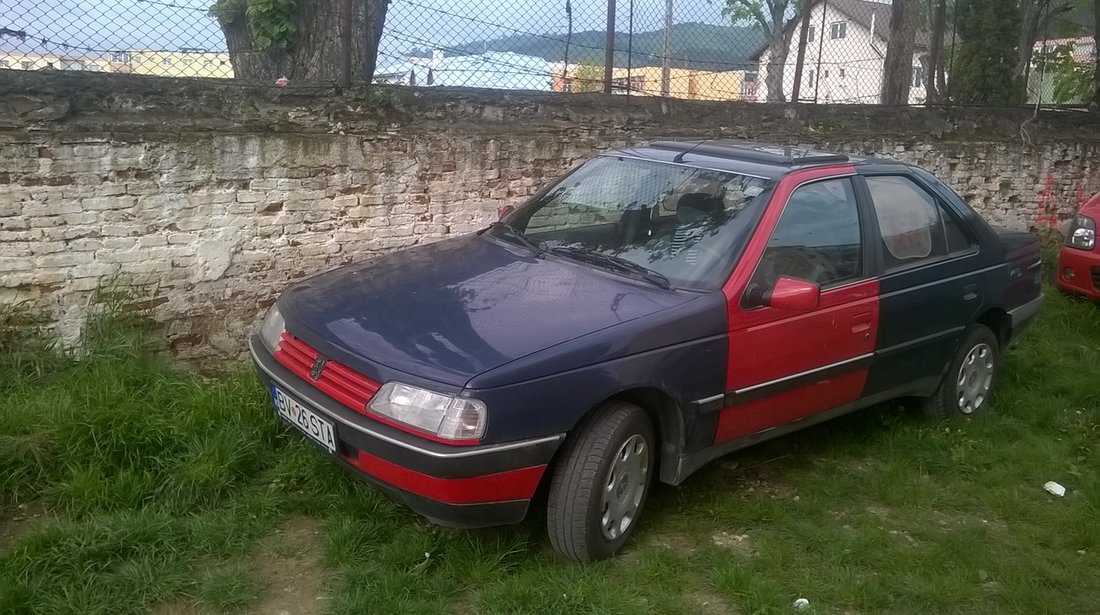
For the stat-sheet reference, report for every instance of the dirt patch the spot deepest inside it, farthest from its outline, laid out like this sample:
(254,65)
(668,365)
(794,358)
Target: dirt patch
(734,542)
(289,563)
(707,603)
(19,521)
(679,543)
(178,608)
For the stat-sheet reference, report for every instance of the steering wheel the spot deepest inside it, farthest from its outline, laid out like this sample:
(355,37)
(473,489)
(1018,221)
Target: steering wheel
(800,263)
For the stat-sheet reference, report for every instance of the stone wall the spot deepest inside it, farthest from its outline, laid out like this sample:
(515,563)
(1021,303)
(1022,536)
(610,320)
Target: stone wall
(204,200)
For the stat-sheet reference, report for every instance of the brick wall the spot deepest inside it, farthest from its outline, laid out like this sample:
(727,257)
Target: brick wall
(204,201)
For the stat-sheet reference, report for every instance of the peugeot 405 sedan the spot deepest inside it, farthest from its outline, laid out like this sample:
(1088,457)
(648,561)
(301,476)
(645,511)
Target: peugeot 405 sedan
(655,308)
(1078,269)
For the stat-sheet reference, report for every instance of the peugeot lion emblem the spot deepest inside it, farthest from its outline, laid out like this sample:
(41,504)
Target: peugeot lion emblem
(318,367)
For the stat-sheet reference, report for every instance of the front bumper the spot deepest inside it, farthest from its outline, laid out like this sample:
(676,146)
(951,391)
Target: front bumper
(455,486)
(1085,268)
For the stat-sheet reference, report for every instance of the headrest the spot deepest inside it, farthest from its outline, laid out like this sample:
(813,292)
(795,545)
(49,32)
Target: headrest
(695,206)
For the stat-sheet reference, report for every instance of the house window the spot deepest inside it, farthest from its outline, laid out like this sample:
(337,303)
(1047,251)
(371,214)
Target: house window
(72,65)
(825,74)
(4,64)
(842,73)
(811,34)
(811,78)
(27,65)
(120,56)
(918,76)
(838,30)
(166,62)
(93,68)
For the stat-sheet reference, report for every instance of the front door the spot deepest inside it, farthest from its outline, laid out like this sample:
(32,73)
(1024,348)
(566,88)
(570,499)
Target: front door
(784,365)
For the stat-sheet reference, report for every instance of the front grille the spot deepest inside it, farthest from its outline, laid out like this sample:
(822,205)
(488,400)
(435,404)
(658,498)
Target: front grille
(1095,277)
(337,381)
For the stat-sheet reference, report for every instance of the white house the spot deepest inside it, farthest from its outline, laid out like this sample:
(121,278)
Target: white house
(845,52)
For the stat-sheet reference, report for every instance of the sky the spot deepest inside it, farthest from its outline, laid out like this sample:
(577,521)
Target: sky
(94,27)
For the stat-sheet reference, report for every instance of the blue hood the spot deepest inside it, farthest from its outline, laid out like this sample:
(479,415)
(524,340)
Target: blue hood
(451,310)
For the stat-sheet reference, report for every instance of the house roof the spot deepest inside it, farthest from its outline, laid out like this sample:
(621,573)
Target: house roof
(496,70)
(860,12)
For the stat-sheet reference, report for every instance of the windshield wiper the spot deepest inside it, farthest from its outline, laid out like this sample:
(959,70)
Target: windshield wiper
(614,263)
(535,247)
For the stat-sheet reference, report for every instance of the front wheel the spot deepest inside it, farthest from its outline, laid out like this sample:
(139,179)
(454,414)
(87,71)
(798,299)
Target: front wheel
(969,381)
(600,485)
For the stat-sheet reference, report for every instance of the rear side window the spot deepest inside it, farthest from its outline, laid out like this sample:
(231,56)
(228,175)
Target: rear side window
(913,224)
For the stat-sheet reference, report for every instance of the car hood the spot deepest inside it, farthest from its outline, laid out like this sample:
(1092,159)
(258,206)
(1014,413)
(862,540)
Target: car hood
(450,310)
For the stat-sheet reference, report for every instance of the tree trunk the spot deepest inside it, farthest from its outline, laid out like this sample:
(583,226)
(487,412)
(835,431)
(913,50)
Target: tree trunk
(934,87)
(1031,13)
(898,66)
(777,62)
(316,54)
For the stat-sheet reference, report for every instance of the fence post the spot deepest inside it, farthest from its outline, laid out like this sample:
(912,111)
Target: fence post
(666,51)
(609,53)
(345,37)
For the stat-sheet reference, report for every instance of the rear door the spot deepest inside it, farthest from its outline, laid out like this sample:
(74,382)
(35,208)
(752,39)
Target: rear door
(784,365)
(931,287)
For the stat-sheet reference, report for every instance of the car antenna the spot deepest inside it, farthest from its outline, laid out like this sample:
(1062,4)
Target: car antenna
(680,157)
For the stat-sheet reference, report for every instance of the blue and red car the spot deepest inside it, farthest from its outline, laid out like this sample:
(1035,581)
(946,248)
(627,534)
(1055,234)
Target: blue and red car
(655,308)
(1078,269)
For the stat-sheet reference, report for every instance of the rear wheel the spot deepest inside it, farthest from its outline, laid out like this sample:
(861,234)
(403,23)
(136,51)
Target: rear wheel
(969,381)
(601,483)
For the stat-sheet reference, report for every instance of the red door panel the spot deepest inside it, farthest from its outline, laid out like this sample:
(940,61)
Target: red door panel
(777,350)
(783,365)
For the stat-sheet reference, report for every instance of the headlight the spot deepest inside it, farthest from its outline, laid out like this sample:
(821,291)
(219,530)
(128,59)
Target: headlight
(1082,233)
(446,416)
(271,331)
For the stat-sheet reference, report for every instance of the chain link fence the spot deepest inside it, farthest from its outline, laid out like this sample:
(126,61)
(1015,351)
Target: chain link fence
(815,51)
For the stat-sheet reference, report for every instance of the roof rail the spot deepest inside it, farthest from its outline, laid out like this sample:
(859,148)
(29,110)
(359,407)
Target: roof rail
(751,152)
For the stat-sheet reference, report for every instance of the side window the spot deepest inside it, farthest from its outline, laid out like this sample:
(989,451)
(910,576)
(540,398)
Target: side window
(913,225)
(817,238)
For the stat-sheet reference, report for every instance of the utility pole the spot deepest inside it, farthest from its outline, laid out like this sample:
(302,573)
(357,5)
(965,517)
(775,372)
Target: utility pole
(609,52)
(666,61)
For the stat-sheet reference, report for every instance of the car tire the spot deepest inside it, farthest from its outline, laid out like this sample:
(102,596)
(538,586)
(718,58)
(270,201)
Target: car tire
(601,482)
(970,379)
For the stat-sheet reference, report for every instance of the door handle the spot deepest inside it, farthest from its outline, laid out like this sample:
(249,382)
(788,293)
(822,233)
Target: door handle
(861,323)
(970,292)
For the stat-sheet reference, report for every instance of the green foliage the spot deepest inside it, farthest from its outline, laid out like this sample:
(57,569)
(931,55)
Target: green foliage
(1072,80)
(983,72)
(272,23)
(588,77)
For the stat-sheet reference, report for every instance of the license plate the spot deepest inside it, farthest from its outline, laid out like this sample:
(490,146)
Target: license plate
(319,429)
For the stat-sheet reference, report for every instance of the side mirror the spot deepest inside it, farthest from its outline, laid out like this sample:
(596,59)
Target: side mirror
(793,294)
(504,211)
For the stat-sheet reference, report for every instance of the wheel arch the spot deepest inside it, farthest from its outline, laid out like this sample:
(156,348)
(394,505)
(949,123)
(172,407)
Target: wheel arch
(999,322)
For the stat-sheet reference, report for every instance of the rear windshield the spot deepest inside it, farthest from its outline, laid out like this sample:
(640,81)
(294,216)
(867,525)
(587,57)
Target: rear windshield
(688,224)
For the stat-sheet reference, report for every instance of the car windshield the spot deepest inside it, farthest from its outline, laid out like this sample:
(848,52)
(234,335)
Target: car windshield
(671,224)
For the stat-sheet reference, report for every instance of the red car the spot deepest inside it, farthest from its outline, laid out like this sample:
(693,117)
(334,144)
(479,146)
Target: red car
(1079,263)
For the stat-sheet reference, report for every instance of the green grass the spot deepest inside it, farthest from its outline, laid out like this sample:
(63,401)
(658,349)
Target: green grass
(153,486)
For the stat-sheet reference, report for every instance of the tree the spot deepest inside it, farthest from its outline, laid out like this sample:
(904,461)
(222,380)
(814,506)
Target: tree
(935,85)
(300,39)
(898,65)
(588,77)
(772,18)
(985,64)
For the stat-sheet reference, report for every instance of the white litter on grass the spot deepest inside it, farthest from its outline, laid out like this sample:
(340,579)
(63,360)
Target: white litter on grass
(802,604)
(1054,488)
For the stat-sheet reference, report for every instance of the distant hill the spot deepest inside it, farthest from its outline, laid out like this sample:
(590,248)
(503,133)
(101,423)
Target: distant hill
(692,45)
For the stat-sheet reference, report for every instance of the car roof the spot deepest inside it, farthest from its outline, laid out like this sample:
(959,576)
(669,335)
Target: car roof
(758,159)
